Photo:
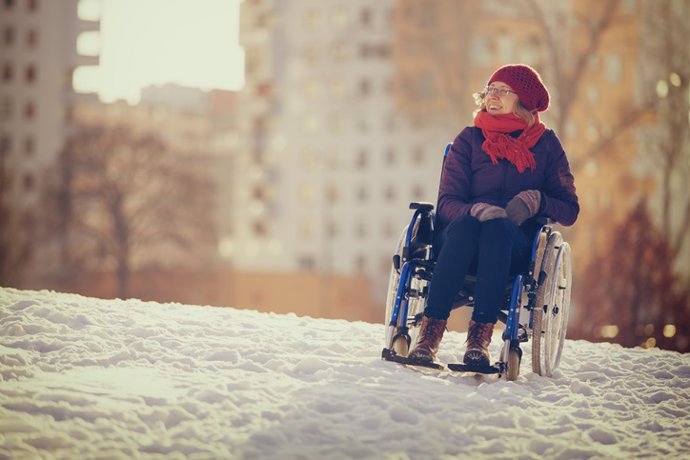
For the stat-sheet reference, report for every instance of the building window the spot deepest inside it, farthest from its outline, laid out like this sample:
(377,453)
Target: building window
(252,61)
(362,194)
(390,124)
(31,38)
(418,155)
(337,123)
(30,73)
(7,72)
(6,109)
(418,192)
(312,19)
(339,17)
(365,17)
(5,146)
(307,263)
(29,146)
(311,88)
(338,88)
(259,228)
(390,157)
(389,231)
(310,123)
(362,159)
(332,229)
(338,52)
(333,194)
(307,229)
(310,160)
(312,54)
(364,87)
(389,193)
(307,194)
(360,263)
(29,111)
(29,182)
(360,230)
(8,36)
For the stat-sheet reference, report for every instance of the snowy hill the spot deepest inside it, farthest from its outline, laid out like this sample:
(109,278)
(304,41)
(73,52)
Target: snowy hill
(89,378)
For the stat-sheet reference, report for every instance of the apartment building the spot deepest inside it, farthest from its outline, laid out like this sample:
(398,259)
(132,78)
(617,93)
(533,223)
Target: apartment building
(329,165)
(41,48)
(39,56)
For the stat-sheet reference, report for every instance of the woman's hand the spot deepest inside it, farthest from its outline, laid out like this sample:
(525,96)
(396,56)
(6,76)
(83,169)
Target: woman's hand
(523,206)
(485,211)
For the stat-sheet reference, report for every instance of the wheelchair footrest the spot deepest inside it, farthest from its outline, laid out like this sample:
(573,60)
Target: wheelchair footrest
(389,355)
(461,367)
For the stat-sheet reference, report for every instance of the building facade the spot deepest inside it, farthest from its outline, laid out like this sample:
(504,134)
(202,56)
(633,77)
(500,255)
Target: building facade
(329,165)
(39,56)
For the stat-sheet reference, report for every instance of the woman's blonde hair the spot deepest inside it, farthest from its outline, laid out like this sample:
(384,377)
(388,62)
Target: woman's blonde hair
(518,111)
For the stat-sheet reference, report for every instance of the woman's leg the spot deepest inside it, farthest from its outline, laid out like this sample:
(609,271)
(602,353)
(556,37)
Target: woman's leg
(503,250)
(458,248)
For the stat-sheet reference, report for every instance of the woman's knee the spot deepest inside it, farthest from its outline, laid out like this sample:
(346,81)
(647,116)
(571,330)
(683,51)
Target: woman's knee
(497,229)
(463,227)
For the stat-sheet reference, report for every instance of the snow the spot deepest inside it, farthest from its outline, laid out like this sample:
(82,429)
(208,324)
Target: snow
(90,378)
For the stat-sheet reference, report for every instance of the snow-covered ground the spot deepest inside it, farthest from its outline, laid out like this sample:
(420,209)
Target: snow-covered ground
(90,378)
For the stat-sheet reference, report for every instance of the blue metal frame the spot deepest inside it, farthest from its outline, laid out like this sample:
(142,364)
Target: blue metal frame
(513,322)
(400,308)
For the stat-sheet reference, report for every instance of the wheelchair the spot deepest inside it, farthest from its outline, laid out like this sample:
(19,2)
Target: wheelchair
(536,306)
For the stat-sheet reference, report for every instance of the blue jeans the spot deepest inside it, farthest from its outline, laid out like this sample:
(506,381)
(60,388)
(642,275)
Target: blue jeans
(493,250)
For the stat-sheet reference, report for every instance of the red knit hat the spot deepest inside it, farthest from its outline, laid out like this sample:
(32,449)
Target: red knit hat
(527,84)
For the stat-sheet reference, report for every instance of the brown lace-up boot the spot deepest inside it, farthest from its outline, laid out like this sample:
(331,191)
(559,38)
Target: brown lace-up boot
(478,340)
(429,338)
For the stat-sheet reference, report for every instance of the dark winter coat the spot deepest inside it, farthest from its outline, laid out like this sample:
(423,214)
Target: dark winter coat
(470,177)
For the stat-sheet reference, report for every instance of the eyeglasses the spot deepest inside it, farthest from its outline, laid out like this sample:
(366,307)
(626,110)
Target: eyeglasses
(492,90)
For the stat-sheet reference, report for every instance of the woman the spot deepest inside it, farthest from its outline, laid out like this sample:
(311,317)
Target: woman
(499,176)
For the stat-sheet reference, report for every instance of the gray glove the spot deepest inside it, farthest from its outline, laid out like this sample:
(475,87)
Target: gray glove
(523,206)
(485,211)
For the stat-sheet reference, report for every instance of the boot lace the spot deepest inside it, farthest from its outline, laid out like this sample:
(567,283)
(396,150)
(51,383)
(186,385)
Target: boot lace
(478,335)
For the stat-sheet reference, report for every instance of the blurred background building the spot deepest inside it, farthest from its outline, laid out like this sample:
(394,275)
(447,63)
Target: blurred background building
(330,160)
(39,55)
(291,194)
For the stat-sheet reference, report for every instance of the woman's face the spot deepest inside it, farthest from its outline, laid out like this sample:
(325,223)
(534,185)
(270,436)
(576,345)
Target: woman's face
(500,98)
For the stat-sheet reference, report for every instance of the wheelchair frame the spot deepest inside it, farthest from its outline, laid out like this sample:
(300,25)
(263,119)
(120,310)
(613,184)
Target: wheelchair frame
(547,291)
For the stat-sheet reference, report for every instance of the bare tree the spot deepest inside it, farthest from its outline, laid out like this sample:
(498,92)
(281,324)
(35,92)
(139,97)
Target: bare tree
(566,64)
(15,238)
(666,49)
(127,202)
(432,49)
(632,287)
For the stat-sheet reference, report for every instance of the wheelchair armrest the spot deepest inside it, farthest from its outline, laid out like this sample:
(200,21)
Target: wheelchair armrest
(422,206)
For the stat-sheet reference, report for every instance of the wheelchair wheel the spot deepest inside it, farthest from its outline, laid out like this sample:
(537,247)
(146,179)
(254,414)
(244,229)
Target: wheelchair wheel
(512,361)
(550,319)
(513,364)
(399,336)
(393,281)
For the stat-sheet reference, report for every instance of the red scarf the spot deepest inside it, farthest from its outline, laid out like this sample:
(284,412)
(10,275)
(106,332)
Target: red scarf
(499,144)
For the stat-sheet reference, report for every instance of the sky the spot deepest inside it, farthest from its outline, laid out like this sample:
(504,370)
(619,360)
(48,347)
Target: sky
(85,378)
(145,42)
